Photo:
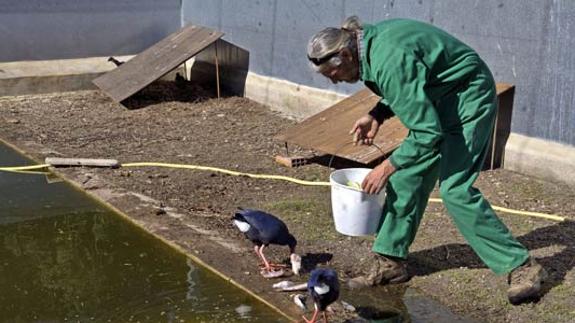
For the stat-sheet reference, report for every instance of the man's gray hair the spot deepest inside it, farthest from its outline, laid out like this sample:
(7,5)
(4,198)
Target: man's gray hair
(330,41)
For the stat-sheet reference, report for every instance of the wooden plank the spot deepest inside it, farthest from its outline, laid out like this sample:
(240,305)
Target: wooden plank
(328,131)
(156,61)
(89,162)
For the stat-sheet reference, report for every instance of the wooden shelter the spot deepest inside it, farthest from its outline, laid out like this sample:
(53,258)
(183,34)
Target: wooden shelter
(157,61)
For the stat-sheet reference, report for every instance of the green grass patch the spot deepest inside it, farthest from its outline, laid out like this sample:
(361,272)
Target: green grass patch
(309,218)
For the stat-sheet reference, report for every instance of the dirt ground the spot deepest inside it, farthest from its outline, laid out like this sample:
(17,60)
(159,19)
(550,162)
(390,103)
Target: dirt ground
(191,209)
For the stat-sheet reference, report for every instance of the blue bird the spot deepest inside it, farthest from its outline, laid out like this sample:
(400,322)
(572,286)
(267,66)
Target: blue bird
(263,229)
(323,287)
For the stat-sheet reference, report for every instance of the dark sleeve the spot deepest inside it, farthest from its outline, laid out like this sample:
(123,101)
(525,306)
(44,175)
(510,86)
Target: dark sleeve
(381,112)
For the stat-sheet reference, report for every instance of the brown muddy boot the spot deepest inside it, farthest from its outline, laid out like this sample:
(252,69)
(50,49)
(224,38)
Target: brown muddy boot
(525,282)
(384,270)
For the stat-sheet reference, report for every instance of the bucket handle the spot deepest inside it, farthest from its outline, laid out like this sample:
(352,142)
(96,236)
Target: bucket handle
(345,144)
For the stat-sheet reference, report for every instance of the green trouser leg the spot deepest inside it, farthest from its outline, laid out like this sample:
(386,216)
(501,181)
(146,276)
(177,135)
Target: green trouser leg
(407,195)
(467,120)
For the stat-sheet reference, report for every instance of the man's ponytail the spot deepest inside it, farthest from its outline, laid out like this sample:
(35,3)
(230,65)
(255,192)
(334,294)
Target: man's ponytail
(351,24)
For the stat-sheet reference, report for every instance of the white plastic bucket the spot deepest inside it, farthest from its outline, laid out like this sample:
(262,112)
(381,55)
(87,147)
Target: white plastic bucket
(355,213)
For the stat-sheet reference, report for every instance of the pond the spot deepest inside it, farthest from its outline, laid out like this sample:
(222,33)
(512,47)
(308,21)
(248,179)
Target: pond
(65,257)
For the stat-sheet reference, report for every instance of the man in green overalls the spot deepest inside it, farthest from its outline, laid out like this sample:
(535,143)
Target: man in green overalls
(443,92)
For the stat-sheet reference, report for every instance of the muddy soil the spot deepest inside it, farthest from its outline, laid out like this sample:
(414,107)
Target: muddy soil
(191,209)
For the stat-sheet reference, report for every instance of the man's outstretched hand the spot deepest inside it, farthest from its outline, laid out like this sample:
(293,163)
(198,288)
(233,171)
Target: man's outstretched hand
(364,130)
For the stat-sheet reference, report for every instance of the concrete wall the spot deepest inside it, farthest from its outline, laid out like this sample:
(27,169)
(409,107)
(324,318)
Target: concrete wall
(528,43)
(63,29)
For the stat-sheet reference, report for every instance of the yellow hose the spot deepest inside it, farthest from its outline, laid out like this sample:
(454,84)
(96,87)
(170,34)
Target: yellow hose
(229,172)
(23,168)
(552,217)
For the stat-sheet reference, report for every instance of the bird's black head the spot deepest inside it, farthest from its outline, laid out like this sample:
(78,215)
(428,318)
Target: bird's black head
(240,222)
(323,286)
(292,243)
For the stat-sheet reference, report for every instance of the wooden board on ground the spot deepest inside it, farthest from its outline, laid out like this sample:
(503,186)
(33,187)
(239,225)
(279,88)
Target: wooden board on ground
(156,61)
(328,131)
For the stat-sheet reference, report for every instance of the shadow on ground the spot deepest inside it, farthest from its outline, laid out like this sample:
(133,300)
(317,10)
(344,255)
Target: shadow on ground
(168,91)
(453,256)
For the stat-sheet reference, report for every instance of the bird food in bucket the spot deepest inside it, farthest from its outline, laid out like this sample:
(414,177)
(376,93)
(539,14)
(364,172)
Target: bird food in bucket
(355,213)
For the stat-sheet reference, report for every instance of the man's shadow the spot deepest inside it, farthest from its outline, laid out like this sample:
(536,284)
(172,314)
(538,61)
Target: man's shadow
(456,255)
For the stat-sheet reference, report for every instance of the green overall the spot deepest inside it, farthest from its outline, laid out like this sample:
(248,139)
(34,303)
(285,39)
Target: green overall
(445,95)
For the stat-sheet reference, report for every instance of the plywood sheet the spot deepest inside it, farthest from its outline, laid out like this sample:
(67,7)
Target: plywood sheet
(328,131)
(156,61)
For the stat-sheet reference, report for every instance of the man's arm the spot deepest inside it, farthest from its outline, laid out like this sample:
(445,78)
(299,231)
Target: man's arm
(381,112)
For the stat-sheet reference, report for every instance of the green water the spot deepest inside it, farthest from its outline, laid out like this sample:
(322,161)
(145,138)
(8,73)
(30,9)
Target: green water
(65,258)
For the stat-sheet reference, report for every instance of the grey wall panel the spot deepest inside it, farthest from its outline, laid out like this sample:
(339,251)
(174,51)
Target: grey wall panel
(275,33)
(205,13)
(549,112)
(509,36)
(248,24)
(58,29)
(251,25)
(296,22)
(528,43)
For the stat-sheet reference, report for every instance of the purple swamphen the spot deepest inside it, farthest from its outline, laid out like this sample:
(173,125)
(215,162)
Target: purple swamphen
(323,287)
(263,229)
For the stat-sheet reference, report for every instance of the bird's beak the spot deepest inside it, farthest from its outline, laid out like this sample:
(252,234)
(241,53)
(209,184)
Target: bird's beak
(299,300)
(295,260)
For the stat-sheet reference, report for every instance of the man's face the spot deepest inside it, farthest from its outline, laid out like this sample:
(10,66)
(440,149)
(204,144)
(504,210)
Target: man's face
(339,74)
(347,71)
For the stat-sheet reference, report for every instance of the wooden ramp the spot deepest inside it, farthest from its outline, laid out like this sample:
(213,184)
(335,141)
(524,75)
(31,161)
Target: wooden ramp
(328,131)
(156,61)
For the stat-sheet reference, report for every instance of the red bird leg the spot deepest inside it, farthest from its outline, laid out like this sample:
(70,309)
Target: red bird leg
(273,265)
(257,250)
(313,318)
(267,265)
